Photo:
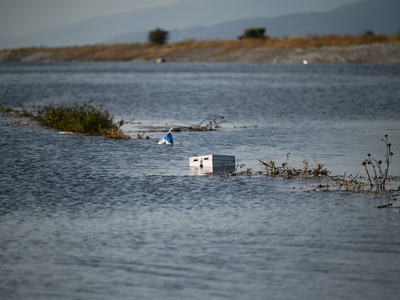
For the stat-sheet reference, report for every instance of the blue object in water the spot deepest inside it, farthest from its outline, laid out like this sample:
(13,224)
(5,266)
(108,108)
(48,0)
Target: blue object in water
(166,140)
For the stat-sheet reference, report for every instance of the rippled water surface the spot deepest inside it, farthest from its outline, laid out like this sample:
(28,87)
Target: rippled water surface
(78,220)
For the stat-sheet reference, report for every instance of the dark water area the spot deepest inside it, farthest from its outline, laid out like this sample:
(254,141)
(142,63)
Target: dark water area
(78,220)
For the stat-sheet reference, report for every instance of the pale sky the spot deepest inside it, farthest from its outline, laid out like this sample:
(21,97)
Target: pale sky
(18,17)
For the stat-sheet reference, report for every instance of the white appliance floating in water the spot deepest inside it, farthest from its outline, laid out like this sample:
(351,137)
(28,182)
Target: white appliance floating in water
(167,140)
(213,163)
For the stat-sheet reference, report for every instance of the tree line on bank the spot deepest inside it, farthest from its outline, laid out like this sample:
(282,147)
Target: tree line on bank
(160,36)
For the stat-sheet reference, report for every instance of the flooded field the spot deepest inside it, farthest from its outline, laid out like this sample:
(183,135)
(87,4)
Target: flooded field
(79,220)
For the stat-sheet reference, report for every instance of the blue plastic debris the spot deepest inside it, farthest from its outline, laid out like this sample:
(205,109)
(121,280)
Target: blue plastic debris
(166,140)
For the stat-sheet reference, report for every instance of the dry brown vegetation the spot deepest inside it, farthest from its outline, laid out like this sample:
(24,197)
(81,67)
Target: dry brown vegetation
(375,177)
(225,50)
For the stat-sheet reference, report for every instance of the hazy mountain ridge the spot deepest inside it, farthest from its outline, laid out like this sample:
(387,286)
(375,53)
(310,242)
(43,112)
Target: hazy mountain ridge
(184,14)
(380,16)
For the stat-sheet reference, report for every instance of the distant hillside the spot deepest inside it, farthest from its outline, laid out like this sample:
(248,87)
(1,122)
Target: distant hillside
(380,16)
(187,13)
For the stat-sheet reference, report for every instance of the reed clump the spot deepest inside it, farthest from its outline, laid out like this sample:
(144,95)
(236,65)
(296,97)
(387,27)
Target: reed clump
(81,119)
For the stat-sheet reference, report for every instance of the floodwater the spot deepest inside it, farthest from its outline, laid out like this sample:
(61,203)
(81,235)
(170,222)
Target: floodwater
(79,220)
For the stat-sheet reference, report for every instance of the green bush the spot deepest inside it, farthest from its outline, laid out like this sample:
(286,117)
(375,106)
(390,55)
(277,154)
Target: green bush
(81,119)
(254,33)
(369,33)
(74,119)
(158,37)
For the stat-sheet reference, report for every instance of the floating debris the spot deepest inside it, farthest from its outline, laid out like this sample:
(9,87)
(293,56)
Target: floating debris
(166,140)
(385,206)
(213,163)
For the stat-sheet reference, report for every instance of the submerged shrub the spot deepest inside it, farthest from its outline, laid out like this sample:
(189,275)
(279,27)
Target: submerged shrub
(84,118)
(80,119)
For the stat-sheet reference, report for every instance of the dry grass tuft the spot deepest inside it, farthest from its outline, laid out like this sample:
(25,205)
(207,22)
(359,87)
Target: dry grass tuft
(289,172)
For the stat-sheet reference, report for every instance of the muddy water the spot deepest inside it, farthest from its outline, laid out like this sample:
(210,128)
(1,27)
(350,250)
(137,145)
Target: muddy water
(78,220)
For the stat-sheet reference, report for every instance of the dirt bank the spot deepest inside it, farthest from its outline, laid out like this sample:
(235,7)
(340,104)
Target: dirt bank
(372,53)
(278,51)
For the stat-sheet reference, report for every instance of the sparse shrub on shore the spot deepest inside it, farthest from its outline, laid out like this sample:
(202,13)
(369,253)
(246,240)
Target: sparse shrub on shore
(253,33)
(158,36)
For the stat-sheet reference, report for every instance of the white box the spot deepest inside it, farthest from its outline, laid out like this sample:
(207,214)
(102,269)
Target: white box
(212,162)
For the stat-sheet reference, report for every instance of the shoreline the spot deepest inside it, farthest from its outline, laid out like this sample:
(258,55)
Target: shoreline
(386,52)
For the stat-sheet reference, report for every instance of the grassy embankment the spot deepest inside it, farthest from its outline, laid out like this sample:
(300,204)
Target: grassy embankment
(178,50)
(82,119)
